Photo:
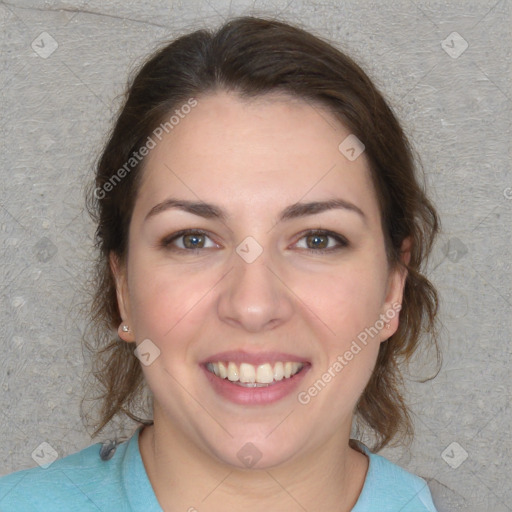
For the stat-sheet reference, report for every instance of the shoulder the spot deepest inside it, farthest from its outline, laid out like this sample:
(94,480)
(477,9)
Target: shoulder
(388,488)
(83,479)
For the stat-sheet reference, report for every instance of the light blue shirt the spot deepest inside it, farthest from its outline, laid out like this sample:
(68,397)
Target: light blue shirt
(83,482)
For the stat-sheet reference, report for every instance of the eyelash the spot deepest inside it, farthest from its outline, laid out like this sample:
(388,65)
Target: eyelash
(166,242)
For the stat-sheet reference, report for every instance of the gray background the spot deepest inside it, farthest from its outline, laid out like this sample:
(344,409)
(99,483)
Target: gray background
(57,110)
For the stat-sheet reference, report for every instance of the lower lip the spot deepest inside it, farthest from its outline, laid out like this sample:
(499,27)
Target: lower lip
(255,396)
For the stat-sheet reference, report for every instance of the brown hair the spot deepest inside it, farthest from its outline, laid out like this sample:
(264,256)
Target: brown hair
(254,56)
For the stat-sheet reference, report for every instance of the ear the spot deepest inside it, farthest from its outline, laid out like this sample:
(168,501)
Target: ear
(123,302)
(395,291)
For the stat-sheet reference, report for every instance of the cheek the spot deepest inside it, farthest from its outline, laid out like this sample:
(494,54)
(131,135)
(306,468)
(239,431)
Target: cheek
(348,303)
(166,301)
(347,299)
(160,302)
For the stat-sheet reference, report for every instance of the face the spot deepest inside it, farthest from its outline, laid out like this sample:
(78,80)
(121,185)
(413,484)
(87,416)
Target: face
(265,285)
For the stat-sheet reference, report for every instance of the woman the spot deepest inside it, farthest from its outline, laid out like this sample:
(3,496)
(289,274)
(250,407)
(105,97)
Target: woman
(261,234)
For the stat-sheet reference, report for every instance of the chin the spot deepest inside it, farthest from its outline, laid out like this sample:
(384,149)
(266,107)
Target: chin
(256,452)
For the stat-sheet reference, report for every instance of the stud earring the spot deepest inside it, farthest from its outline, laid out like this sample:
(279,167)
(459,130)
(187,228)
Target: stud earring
(125,328)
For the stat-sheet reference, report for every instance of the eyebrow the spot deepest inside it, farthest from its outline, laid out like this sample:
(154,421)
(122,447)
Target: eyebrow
(211,211)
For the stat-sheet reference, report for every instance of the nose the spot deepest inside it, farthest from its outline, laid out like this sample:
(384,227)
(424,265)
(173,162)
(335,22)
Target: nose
(253,296)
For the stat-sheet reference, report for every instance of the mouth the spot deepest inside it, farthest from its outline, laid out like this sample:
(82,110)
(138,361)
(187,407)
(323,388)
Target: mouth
(252,376)
(258,379)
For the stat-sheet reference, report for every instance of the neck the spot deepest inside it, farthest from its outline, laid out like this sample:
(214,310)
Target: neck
(185,478)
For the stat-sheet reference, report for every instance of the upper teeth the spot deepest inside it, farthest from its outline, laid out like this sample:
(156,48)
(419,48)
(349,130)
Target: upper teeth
(262,374)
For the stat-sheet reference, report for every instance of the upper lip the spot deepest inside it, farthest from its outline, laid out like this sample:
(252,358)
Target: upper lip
(254,358)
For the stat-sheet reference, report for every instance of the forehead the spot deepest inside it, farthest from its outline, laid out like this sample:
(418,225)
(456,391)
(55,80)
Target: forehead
(267,151)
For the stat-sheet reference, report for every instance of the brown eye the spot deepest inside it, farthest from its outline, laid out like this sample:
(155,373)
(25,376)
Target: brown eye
(187,240)
(317,241)
(194,241)
(321,241)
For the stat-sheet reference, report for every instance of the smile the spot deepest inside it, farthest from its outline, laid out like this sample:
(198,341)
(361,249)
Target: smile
(249,375)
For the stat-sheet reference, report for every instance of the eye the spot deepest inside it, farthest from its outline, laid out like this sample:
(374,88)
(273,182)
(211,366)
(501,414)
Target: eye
(320,241)
(190,240)
(187,240)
